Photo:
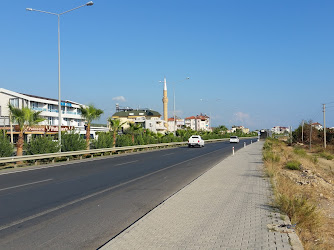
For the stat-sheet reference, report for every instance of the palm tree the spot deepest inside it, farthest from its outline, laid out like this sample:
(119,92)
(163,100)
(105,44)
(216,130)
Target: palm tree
(115,125)
(133,129)
(24,117)
(90,113)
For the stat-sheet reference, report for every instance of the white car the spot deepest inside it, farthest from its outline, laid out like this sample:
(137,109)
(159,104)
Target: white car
(195,140)
(234,139)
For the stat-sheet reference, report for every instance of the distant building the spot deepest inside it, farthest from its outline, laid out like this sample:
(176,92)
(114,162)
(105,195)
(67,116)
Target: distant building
(147,118)
(198,123)
(317,126)
(242,129)
(280,130)
(179,124)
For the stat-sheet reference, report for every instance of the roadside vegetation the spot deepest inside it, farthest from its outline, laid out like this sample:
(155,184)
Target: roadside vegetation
(303,186)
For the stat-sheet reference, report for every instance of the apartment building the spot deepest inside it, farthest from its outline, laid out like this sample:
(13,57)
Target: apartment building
(197,123)
(177,124)
(71,116)
(147,118)
(280,130)
(234,129)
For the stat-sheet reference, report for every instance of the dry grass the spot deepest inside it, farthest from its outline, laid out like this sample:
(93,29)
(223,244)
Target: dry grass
(306,194)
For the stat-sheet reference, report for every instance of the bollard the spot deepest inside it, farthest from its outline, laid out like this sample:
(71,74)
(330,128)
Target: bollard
(251,142)
(233,150)
(244,144)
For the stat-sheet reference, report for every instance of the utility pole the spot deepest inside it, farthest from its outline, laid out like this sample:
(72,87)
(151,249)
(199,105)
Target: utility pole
(303,131)
(310,135)
(324,110)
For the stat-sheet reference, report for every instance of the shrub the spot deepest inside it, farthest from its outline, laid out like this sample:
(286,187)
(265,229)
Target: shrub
(6,148)
(104,140)
(300,211)
(270,156)
(326,155)
(41,145)
(72,142)
(299,151)
(293,165)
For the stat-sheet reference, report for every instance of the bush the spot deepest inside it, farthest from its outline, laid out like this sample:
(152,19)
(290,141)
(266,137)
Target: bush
(299,151)
(41,145)
(6,148)
(326,155)
(104,140)
(293,165)
(270,156)
(300,211)
(72,142)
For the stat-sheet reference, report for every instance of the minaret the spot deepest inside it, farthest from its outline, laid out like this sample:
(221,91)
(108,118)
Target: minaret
(165,102)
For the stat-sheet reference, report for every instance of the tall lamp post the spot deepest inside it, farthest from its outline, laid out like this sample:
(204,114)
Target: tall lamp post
(59,99)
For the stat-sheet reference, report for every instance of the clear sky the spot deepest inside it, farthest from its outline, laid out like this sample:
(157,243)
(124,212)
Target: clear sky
(253,63)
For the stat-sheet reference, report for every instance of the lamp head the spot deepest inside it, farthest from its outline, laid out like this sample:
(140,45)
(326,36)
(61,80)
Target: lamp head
(90,3)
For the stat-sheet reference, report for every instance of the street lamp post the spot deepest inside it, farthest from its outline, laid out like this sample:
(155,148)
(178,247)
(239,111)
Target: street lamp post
(59,99)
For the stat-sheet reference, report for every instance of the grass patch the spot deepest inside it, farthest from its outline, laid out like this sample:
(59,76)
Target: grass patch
(293,165)
(300,151)
(300,211)
(326,155)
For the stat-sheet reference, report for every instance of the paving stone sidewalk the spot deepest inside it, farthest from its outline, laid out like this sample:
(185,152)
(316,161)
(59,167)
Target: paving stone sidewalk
(228,207)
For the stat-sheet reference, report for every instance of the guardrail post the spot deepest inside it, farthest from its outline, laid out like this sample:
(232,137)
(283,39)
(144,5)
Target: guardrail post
(80,157)
(53,160)
(35,163)
(67,158)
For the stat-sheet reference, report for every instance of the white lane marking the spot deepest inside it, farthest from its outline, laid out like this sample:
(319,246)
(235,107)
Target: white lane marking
(95,194)
(31,183)
(125,163)
(168,154)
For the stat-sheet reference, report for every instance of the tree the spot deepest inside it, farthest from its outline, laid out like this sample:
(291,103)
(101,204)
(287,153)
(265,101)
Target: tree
(24,117)
(90,113)
(115,125)
(6,148)
(134,129)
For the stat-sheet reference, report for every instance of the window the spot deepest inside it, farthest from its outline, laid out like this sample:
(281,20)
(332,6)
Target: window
(14,102)
(50,121)
(34,105)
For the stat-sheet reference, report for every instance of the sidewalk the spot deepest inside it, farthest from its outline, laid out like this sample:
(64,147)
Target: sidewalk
(226,208)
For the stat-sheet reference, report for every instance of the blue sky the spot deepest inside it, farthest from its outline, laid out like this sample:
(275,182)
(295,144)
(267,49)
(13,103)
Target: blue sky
(254,63)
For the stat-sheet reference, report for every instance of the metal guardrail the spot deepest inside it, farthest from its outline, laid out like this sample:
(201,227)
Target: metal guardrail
(81,153)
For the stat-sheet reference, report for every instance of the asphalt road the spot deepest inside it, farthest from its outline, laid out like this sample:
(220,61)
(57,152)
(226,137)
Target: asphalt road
(84,204)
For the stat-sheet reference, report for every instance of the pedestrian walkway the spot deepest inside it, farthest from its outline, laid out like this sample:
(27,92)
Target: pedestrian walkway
(228,207)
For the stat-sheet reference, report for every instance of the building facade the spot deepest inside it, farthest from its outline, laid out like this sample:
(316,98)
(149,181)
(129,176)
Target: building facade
(234,129)
(198,123)
(71,116)
(173,126)
(147,118)
(280,130)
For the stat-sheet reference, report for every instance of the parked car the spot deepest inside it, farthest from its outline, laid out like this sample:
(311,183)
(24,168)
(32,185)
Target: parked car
(195,140)
(234,139)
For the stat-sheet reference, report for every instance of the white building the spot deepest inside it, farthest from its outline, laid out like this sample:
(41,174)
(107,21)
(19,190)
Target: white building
(242,129)
(198,123)
(317,125)
(71,116)
(178,124)
(280,130)
(147,118)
